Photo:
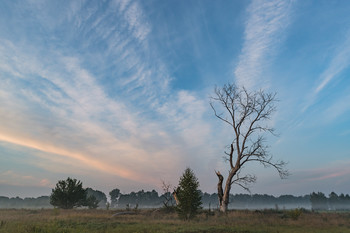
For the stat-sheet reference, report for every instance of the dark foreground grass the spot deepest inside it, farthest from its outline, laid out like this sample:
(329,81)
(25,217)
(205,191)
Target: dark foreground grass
(100,221)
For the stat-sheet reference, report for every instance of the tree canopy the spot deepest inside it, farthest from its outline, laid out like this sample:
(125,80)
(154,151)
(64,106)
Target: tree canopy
(114,194)
(68,194)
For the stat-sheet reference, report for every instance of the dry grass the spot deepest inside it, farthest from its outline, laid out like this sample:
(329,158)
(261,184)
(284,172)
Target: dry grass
(71,221)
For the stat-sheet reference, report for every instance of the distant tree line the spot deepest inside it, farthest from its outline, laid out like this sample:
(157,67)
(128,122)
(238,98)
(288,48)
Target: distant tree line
(319,201)
(151,199)
(28,202)
(142,199)
(259,201)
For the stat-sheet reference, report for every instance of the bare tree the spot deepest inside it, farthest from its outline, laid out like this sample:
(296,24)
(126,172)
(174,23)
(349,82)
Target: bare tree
(168,200)
(247,114)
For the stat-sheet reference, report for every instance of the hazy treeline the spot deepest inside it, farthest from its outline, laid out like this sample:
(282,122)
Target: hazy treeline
(28,202)
(151,199)
(319,201)
(260,201)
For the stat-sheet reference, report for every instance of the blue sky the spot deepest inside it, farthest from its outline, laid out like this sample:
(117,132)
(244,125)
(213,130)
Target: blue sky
(116,93)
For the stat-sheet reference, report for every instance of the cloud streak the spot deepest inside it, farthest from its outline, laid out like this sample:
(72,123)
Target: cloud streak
(338,63)
(75,156)
(266,22)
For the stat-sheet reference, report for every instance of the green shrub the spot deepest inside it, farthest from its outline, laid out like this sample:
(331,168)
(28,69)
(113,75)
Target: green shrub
(295,214)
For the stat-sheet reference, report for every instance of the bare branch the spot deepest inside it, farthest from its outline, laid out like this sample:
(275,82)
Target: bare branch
(166,187)
(244,181)
(279,166)
(230,156)
(244,187)
(220,116)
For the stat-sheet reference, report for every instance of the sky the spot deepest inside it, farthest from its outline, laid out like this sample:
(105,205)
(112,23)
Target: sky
(116,93)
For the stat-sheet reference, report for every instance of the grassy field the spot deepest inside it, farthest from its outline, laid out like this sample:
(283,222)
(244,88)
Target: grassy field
(70,221)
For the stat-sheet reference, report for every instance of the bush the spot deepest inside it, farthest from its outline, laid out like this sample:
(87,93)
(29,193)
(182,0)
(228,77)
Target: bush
(295,214)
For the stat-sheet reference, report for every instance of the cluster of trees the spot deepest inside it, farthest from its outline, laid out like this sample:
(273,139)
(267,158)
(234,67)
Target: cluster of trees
(141,198)
(67,194)
(70,193)
(319,201)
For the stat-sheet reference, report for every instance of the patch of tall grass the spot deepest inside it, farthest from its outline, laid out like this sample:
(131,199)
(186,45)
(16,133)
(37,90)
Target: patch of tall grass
(103,221)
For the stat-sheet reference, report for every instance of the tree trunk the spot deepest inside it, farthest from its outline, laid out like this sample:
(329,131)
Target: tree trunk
(223,207)
(224,197)
(175,197)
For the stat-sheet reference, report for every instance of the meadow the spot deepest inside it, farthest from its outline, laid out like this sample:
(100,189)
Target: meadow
(103,221)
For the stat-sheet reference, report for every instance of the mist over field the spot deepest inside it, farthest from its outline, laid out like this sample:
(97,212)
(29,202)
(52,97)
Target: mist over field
(152,199)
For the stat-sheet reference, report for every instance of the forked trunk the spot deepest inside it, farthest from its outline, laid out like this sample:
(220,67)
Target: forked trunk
(224,196)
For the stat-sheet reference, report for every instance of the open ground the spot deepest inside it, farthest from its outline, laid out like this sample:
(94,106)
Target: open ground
(103,221)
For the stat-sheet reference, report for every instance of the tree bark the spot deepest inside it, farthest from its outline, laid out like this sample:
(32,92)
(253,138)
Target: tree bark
(220,190)
(223,207)
(224,196)
(175,197)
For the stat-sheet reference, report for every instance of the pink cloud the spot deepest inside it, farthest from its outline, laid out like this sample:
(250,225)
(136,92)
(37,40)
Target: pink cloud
(329,173)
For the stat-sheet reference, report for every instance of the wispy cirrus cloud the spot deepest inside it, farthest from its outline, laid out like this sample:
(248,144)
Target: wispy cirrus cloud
(52,101)
(73,124)
(127,51)
(264,28)
(133,15)
(339,62)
